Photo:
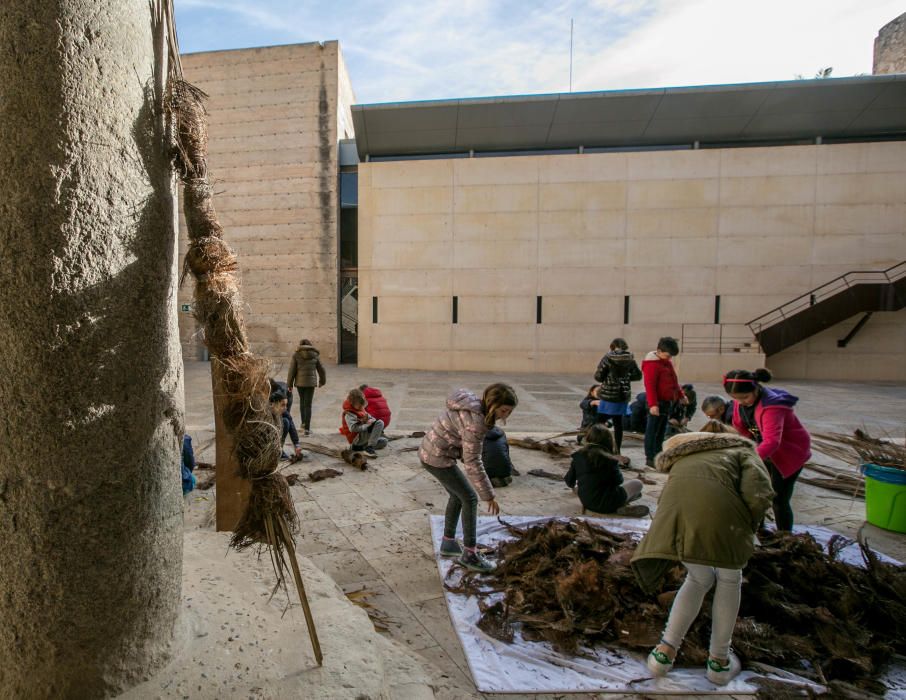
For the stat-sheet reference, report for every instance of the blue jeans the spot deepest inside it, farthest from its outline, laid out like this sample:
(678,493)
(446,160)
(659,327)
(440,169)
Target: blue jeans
(289,428)
(463,500)
(655,429)
(370,436)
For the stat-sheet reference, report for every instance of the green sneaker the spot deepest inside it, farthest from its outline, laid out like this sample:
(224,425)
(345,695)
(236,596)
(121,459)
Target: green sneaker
(659,663)
(720,674)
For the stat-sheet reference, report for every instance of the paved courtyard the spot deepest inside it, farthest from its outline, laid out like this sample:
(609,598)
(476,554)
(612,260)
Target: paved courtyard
(370,529)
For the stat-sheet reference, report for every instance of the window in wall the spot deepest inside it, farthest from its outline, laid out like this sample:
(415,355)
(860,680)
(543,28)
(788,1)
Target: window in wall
(455,309)
(349,238)
(374,309)
(538,303)
(626,309)
(717,309)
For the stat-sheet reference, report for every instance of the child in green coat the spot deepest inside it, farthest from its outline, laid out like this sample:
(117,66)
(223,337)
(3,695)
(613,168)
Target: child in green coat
(707,515)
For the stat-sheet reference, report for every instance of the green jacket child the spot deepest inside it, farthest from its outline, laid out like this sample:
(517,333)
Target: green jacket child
(710,508)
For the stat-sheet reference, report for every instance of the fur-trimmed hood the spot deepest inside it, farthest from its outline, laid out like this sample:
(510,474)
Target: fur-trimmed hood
(690,443)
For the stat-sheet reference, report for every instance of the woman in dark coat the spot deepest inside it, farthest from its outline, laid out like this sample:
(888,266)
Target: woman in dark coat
(305,373)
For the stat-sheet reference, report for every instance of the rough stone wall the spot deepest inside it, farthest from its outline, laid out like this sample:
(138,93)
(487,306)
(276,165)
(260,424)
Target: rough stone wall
(890,47)
(91,397)
(273,159)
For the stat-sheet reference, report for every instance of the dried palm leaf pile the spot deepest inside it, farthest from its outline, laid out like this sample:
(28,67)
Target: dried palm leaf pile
(569,583)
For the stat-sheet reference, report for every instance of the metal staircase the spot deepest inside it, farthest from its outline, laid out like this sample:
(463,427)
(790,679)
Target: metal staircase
(863,291)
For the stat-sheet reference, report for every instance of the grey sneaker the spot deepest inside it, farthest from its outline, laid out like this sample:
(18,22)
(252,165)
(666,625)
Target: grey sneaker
(450,548)
(475,562)
(720,674)
(638,511)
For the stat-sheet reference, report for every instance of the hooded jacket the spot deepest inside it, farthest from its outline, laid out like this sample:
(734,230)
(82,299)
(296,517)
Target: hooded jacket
(353,421)
(710,508)
(616,372)
(599,477)
(458,433)
(377,405)
(306,369)
(781,437)
(495,454)
(661,383)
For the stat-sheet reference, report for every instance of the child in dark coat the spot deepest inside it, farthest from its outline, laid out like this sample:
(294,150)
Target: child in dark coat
(495,455)
(597,471)
(589,406)
(616,372)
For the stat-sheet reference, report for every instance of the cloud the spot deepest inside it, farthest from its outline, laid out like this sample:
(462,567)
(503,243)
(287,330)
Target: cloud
(410,50)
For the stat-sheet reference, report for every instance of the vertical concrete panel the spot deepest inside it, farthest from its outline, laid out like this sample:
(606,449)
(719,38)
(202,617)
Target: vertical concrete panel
(90,504)
(275,114)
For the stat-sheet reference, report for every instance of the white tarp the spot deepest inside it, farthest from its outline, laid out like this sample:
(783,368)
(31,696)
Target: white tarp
(535,667)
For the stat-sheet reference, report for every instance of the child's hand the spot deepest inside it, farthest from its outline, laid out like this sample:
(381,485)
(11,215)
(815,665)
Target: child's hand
(654,411)
(595,403)
(298,450)
(493,507)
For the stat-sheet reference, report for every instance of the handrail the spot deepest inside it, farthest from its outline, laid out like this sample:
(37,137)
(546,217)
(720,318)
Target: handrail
(836,285)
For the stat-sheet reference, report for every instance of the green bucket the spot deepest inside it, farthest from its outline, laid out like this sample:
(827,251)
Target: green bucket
(885,496)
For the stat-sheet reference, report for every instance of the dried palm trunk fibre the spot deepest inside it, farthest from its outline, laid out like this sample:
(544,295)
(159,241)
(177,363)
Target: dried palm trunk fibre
(270,517)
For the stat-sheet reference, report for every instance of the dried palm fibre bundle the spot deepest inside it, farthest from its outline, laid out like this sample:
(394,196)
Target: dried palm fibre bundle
(270,518)
(569,583)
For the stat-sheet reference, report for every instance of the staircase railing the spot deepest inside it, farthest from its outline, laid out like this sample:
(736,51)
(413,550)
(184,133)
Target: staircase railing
(719,338)
(826,290)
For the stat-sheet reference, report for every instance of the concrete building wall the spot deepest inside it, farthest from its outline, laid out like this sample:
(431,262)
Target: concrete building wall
(890,47)
(670,229)
(274,121)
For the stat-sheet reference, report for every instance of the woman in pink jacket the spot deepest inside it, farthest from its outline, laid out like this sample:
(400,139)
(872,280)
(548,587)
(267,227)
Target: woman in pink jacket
(458,434)
(766,416)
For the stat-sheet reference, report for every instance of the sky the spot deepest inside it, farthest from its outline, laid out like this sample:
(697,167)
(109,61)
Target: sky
(405,50)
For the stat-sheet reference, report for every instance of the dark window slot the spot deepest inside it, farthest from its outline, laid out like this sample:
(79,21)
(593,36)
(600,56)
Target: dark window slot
(455,309)
(626,309)
(374,309)
(538,310)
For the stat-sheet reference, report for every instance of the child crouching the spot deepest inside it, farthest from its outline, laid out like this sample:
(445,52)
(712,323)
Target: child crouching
(363,431)
(601,485)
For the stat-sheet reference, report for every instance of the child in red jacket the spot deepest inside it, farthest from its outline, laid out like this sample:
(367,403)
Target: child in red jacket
(363,431)
(662,389)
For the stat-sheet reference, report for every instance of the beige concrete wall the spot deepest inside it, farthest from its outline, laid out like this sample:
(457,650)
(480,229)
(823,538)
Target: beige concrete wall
(274,122)
(671,229)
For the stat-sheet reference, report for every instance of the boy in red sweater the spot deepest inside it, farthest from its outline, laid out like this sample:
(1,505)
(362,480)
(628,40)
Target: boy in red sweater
(662,389)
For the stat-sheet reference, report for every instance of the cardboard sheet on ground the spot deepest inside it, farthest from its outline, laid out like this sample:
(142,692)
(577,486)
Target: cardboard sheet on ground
(535,667)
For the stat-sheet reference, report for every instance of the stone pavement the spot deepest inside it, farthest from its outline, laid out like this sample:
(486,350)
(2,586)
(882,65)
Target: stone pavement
(370,529)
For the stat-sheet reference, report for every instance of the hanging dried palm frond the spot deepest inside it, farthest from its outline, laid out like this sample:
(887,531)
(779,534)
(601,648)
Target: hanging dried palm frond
(270,518)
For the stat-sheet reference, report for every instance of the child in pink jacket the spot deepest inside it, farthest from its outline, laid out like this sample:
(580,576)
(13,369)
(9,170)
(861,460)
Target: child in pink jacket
(766,416)
(458,434)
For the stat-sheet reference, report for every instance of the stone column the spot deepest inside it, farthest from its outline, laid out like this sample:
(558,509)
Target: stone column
(91,407)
